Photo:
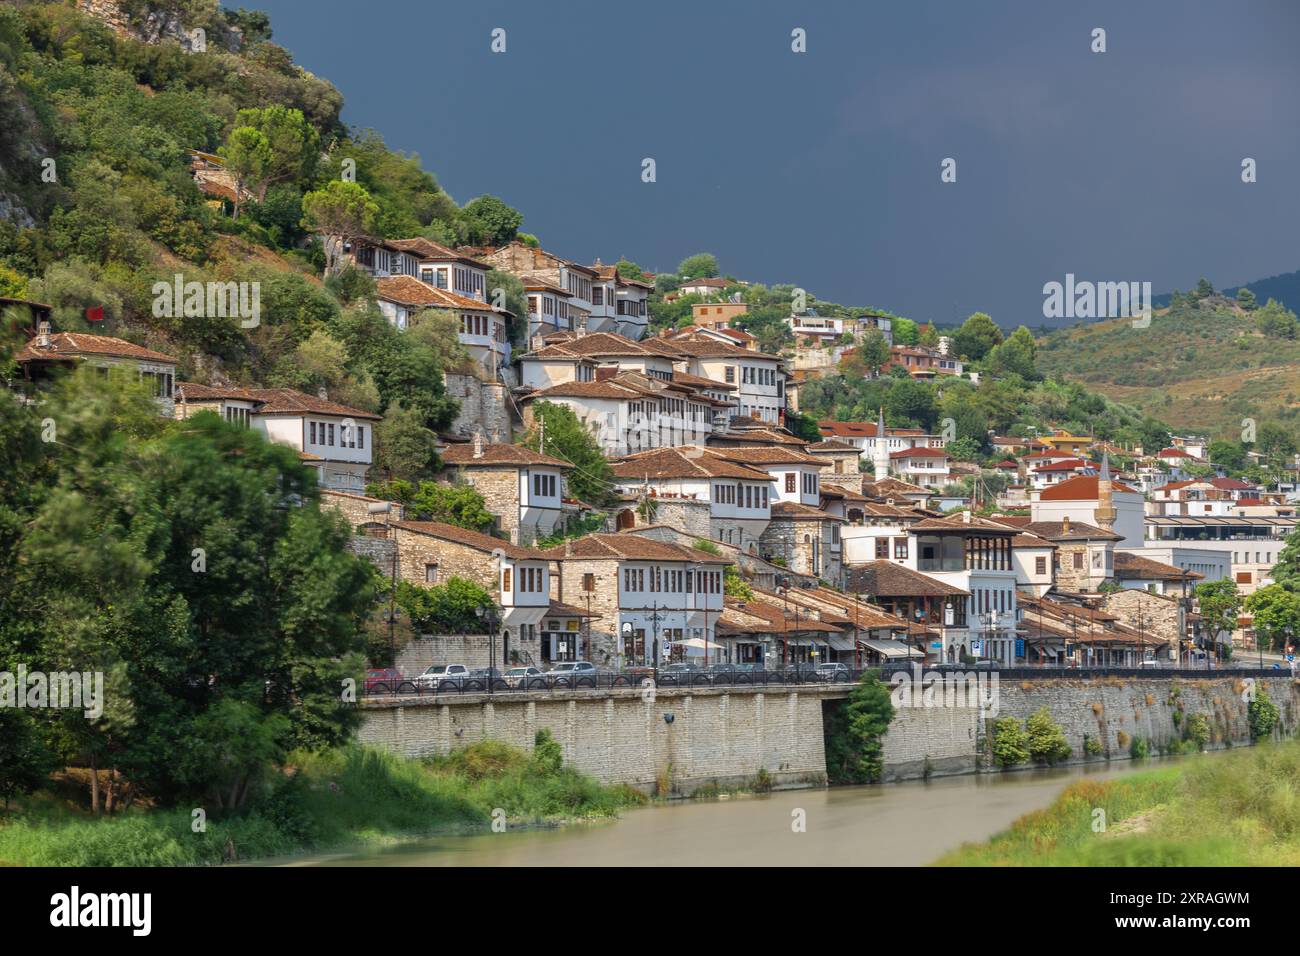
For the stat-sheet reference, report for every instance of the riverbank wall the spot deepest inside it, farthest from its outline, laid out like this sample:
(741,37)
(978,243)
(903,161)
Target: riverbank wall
(673,742)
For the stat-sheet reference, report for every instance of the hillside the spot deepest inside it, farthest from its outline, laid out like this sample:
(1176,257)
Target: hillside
(1284,288)
(1201,365)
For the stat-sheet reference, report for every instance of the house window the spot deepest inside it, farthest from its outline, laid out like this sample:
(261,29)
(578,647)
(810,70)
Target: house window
(789,481)
(1078,560)
(505,579)
(430,574)
(1040,565)
(331,434)
(900,548)
(313,433)
(882,549)
(731,375)
(589,582)
(361,436)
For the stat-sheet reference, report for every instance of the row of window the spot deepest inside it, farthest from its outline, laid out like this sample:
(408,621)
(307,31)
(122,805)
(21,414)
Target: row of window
(469,282)
(530,580)
(350,436)
(544,486)
(759,376)
(629,307)
(658,579)
(809,485)
(746,496)
(482,325)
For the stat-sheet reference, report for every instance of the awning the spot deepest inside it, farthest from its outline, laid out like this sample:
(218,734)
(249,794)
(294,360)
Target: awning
(697,643)
(515,616)
(840,643)
(892,649)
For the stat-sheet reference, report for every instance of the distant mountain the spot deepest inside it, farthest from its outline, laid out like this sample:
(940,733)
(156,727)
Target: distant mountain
(1285,288)
(1202,367)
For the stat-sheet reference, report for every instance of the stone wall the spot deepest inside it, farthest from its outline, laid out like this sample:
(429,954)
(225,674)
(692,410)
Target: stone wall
(381,552)
(472,650)
(500,490)
(621,737)
(483,407)
(925,741)
(1103,709)
(567,587)
(354,508)
(1153,614)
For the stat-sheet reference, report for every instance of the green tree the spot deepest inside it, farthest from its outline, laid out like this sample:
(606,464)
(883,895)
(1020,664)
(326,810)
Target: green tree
(855,732)
(977,336)
(459,505)
(1015,356)
(340,212)
(702,265)
(1276,320)
(248,157)
(1046,741)
(450,608)
(872,351)
(492,222)
(1262,713)
(1010,742)
(1204,288)
(905,332)
(406,448)
(567,439)
(1246,299)
(1276,613)
(1219,604)
(25,761)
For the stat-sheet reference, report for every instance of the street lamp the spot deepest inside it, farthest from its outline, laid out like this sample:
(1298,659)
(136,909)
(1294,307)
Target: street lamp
(627,636)
(385,508)
(488,614)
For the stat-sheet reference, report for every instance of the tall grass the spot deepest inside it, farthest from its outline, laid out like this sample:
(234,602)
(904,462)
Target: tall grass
(340,797)
(1235,809)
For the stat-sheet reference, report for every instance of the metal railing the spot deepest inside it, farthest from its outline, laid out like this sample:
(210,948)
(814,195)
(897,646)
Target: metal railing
(606,680)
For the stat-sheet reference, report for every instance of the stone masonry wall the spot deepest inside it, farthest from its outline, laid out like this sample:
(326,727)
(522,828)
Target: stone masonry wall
(619,737)
(472,650)
(500,490)
(482,407)
(1155,615)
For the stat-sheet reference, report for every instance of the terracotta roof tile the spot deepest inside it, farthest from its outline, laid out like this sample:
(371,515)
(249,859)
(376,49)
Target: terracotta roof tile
(68,345)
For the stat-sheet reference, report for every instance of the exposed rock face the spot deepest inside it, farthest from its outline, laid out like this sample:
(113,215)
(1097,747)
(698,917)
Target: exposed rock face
(155,26)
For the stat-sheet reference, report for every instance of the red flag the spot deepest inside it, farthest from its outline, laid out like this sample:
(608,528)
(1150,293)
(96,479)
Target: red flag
(95,314)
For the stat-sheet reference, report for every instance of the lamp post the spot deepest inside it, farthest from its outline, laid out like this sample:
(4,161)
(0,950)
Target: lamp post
(488,614)
(627,636)
(385,508)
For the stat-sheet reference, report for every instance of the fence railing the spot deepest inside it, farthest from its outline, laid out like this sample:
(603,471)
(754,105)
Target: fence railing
(742,680)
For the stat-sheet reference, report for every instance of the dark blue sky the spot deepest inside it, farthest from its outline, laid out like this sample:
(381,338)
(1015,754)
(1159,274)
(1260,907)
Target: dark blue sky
(822,168)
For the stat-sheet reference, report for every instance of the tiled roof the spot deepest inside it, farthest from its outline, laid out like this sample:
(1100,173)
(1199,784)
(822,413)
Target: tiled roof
(1056,531)
(699,381)
(711,283)
(918,453)
(890,486)
(498,454)
(1130,567)
(831,445)
(894,580)
(471,539)
(427,249)
(1079,488)
(684,462)
(67,345)
(271,401)
(630,547)
(1065,464)
(409,290)
(764,455)
(799,512)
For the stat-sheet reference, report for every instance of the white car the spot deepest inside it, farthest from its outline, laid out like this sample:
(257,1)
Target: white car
(435,673)
(520,676)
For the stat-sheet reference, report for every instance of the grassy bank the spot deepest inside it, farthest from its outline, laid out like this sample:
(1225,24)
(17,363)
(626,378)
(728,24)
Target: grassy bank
(340,798)
(1236,809)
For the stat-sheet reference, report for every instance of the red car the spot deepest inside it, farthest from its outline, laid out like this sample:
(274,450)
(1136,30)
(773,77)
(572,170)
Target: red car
(383,680)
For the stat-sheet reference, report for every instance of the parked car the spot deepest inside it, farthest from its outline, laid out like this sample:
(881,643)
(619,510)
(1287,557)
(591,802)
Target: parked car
(520,676)
(572,671)
(833,672)
(435,673)
(383,680)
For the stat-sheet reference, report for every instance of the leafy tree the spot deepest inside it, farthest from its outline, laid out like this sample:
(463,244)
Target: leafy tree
(248,156)
(963,449)
(977,337)
(802,426)
(703,265)
(1204,288)
(492,222)
(1276,613)
(630,270)
(340,212)
(25,761)
(1246,299)
(872,351)
(767,324)
(406,448)
(1262,713)
(1276,320)
(449,608)
(567,439)
(1015,356)
(905,332)
(910,403)
(1046,740)
(1230,454)
(459,505)
(1219,604)
(855,732)
(1010,742)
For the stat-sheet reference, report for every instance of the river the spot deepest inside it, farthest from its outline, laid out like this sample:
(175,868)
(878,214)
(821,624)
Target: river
(899,824)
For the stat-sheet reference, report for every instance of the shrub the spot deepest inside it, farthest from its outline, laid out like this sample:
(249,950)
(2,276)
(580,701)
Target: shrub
(1047,742)
(1198,730)
(1263,714)
(1010,742)
(548,755)
(1091,746)
(1140,749)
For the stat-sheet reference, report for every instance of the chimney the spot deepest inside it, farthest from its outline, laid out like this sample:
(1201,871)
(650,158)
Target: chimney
(568,547)
(322,394)
(478,444)
(43,335)
(965,517)
(1065,525)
